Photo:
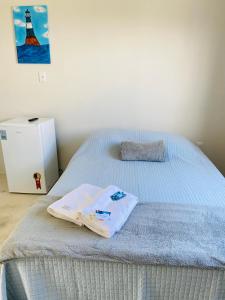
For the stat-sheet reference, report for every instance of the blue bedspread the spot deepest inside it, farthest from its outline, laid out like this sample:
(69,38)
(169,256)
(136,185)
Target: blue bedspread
(187,176)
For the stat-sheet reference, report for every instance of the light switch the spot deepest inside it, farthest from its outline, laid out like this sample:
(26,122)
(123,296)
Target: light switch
(42,76)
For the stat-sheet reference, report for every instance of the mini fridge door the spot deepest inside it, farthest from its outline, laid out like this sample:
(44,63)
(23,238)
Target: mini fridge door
(23,158)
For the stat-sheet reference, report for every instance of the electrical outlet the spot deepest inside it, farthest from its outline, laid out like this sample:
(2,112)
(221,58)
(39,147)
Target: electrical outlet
(199,143)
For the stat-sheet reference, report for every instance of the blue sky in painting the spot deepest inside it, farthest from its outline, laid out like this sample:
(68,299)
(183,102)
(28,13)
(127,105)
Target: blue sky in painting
(39,17)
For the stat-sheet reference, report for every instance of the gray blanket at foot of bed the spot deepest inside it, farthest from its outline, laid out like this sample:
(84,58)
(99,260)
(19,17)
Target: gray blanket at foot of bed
(168,234)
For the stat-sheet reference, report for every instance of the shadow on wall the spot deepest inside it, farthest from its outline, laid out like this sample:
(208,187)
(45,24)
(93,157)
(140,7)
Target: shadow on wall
(214,122)
(67,149)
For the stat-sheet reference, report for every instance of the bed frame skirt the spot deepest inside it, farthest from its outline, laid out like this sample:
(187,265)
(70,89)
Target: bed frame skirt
(65,278)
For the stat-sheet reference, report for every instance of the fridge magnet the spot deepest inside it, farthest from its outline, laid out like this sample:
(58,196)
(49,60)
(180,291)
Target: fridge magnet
(31,32)
(37,178)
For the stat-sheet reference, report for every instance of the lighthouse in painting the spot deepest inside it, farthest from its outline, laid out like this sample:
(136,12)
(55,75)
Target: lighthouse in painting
(31,30)
(30,36)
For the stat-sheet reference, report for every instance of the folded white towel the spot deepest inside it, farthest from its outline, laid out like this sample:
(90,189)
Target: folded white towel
(106,216)
(104,211)
(71,205)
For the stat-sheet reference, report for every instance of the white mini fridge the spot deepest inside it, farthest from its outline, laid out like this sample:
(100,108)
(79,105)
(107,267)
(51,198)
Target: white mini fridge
(30,154)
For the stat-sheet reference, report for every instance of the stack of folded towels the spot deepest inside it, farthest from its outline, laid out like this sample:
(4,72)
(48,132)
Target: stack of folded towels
(104,211)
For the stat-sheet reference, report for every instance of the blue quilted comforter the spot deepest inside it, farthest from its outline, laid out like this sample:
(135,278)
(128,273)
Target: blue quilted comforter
(187,176)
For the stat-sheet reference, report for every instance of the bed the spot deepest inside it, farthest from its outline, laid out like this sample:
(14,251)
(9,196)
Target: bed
(187,177)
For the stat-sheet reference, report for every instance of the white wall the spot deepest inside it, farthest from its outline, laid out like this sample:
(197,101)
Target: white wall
(155,65)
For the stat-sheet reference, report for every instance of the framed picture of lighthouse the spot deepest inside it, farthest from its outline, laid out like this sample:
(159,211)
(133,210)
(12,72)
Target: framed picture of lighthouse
(31,32)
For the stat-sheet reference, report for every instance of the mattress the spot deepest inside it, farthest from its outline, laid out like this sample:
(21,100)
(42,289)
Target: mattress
(187,177)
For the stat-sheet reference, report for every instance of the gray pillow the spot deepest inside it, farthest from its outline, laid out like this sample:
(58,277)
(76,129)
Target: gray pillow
(154,151)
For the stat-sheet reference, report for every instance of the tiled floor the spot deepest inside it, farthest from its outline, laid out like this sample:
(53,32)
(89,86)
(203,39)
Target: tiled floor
(12,208)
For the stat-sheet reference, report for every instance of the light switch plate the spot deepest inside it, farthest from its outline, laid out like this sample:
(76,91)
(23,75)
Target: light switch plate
(42,76)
